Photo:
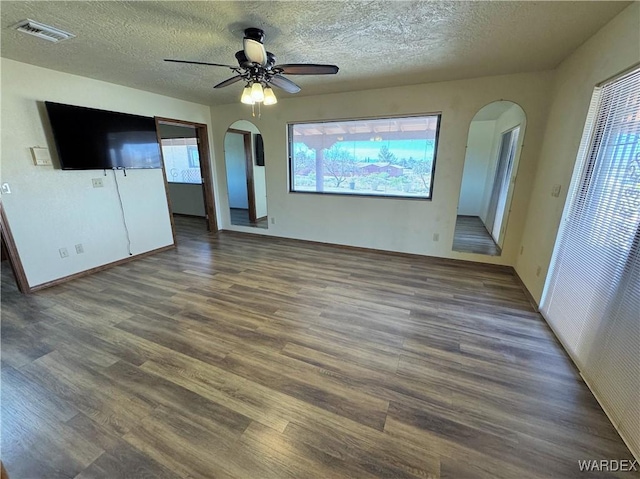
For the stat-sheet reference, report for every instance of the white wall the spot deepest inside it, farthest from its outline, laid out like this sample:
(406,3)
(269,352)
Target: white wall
(392,224)
(615,48)
(49,208)
(260,187)
(176,131)
(476,165)
(186,199)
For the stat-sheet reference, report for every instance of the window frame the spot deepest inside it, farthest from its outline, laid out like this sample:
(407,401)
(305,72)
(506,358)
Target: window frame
(194,156)
(289,134)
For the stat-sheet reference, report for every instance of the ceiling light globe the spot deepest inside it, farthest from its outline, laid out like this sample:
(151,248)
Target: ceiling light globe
(257,93)
(246,96)
(269,96)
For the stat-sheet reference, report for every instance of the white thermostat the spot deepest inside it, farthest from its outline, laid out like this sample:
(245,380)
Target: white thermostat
(41,156)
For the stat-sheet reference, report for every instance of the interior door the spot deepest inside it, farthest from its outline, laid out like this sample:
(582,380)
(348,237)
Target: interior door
(506,189)
(501,169)
(194,170)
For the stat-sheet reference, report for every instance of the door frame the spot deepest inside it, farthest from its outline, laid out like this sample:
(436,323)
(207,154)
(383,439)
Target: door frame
(508,186)
(248,157)
(12,252)
(202,136)
(502,174)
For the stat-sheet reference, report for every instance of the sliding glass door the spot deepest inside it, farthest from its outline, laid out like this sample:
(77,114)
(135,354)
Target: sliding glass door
(592,295)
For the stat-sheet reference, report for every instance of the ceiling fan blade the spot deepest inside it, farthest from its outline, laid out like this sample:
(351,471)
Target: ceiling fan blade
(284,83)
(200,63)
(254,50)
(306,69)
(229,81)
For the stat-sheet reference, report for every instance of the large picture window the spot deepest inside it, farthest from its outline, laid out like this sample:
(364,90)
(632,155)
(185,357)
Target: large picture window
(389,157)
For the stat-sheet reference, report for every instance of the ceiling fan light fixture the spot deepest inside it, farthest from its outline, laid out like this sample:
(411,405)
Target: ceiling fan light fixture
(258,70)
(246,98)
(257,93)
(269,96)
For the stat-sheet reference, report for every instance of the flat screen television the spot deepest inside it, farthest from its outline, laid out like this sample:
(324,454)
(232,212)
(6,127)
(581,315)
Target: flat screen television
(259,146)
(90,139)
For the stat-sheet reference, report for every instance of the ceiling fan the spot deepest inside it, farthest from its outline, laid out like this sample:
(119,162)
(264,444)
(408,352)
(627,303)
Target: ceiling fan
(258,68)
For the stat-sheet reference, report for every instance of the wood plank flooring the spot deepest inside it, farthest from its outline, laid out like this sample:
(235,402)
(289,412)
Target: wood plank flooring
(239,356)
(240,217)
(471,236)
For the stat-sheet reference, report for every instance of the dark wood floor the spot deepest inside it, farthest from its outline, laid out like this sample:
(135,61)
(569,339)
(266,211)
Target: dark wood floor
(249,357)
(240,217)
(189,227)
(471,236)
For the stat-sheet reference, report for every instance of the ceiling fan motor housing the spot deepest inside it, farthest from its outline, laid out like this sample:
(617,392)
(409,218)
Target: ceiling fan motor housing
(254,34)
(244,62)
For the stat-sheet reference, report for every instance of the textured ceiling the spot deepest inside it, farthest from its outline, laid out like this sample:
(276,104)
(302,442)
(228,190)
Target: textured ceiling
(375,43)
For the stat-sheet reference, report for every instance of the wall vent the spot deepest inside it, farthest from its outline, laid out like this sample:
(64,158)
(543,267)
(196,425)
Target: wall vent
(43,31)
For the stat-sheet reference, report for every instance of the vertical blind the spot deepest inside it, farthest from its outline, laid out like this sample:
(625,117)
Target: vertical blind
(592,294)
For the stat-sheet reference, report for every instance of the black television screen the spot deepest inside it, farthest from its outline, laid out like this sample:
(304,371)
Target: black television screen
(88,139)
(259,145)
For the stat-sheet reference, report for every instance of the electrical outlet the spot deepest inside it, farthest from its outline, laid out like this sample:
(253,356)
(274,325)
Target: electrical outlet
(79,248)
(273,220)
(436,236)
(97,182)
(521,249)
(6,190)
(63,253)
(538,271)
(555,191)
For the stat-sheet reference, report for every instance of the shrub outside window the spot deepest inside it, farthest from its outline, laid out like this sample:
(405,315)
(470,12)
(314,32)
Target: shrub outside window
(387,157)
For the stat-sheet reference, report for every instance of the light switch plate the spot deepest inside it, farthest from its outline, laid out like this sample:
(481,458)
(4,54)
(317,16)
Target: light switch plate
(41,156)
(555,191)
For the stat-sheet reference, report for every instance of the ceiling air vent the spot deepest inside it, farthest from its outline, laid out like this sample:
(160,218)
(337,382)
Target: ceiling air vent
(43,31)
